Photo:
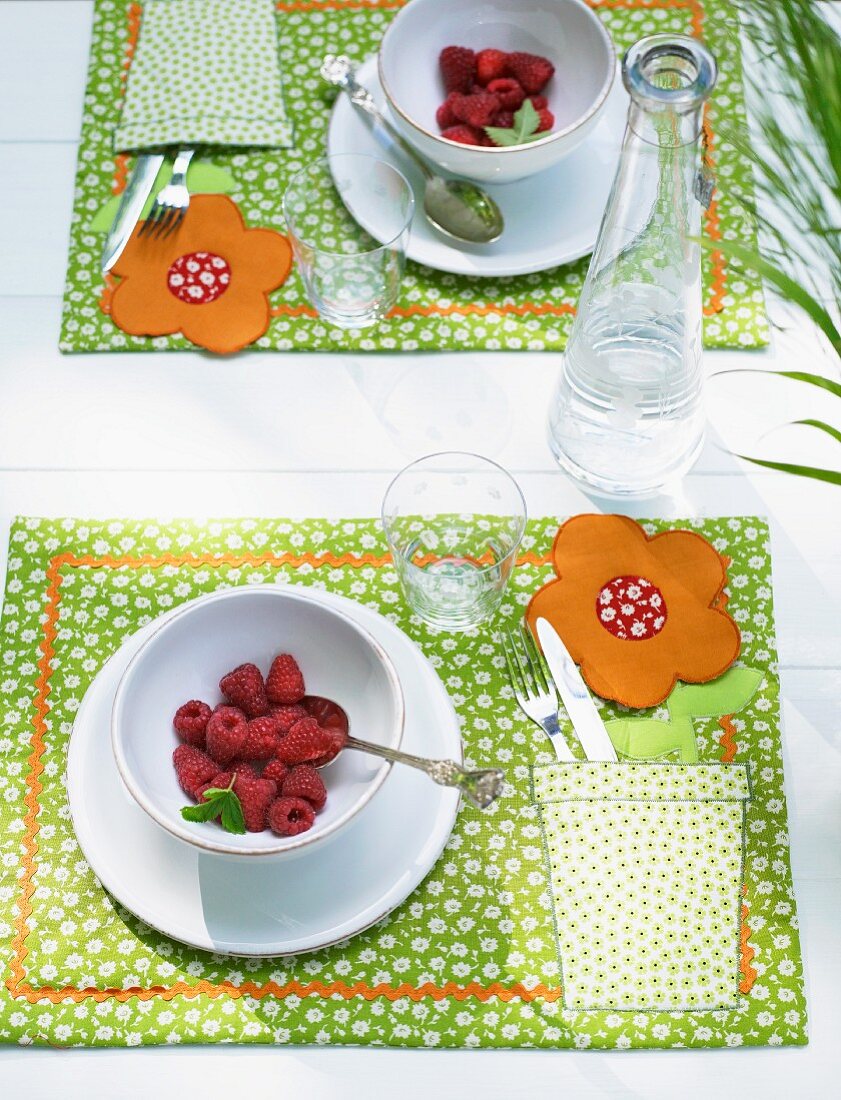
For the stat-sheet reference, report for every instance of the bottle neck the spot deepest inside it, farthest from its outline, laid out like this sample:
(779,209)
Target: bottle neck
(665,128)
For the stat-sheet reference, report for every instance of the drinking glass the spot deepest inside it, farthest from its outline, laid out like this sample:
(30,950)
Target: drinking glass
(453,522)
(349,217)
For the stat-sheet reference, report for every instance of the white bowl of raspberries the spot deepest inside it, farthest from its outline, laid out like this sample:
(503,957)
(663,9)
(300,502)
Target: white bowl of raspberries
(496,90)
(229,724)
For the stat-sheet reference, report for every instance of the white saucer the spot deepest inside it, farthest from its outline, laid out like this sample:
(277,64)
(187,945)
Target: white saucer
(300,903)
(550,219)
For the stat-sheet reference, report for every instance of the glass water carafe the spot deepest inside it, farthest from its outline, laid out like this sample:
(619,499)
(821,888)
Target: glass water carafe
(627,415)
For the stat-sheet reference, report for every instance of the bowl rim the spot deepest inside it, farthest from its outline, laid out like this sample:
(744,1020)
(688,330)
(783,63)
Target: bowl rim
(501,150)
(173,827)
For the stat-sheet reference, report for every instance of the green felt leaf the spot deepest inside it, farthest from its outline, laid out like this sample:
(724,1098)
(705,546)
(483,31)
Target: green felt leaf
(730,693)
(202,179)
(651,739)
(526,121)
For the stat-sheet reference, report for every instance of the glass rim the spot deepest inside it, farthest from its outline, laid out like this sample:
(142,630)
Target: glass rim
(642,90)
(522,519)
(324,162)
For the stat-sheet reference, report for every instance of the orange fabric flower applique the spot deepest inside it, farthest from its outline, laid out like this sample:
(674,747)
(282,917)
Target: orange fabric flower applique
(636,613)
(209,280)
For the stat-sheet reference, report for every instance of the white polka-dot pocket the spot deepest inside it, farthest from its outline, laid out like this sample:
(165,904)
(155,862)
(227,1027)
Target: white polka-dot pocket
(646,864)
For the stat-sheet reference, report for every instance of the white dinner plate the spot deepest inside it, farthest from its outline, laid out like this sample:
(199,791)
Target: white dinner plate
(551,218)
(269,907)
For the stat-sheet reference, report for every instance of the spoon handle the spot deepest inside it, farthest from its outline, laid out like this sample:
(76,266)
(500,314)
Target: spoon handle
(481,787)
(339,72)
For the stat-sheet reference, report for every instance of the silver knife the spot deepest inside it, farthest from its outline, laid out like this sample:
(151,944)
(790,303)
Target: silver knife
(582,711)
(133,200)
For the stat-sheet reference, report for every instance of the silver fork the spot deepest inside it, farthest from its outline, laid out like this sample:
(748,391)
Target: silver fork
(172,201)
(534,688)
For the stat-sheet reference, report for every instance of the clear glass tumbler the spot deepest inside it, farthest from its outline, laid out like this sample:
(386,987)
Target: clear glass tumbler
(349,217)
(454,522)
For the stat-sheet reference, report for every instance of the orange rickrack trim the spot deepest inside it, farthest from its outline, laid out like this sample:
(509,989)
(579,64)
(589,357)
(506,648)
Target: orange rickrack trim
(728,739)
(474,308)
(336,5)
(749,973)
(108,288)
(121,161)
(448,991)
(135,14)
(120,173)
(16,982)
(718,283)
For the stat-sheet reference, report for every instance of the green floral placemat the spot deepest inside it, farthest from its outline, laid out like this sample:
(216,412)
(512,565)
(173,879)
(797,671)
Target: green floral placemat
(471,959)
(436,311)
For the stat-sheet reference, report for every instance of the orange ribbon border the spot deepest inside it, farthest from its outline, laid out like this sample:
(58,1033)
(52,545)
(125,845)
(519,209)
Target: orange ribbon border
(712,221)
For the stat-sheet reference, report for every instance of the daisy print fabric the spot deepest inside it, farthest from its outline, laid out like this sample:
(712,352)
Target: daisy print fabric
(132,41)
(477,955)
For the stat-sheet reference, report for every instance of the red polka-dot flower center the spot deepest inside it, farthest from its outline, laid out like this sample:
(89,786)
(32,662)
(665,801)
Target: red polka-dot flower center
(198,278)
(631,608)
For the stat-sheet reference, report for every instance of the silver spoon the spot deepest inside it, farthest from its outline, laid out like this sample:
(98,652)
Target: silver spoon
(457,208)
(480,787)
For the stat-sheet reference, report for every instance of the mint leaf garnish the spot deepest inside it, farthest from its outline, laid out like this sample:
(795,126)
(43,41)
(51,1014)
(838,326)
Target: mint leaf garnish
(232,819)
(218,802)
(524,130)
(203,811)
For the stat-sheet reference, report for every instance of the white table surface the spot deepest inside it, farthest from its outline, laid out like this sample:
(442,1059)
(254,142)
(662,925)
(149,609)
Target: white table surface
(273,434)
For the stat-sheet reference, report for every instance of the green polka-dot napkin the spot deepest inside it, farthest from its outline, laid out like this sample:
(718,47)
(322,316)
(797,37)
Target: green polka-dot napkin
(479,955)
(204,72)
(647,866)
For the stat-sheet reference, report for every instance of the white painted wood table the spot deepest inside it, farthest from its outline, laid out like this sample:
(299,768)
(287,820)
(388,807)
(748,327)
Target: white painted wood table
(272,434)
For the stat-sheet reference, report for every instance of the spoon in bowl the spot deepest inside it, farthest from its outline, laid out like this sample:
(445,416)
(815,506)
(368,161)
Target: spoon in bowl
(481,787)
(458,208)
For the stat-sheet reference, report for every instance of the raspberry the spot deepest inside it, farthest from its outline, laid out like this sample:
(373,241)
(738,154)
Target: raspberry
(226,734)
(244,688)
(276,770)
(504,120)
(491,65)
(305,782)
(475,110)
(508,92)
(286,717)
(533,72)
(444,115)
(458,68)
(285,682)
(190,722)
(290,816)
(306,741)
(255,796)
(464,135)
(338,740)
(193,768)
(261,739)
(547,120)
(539,102)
